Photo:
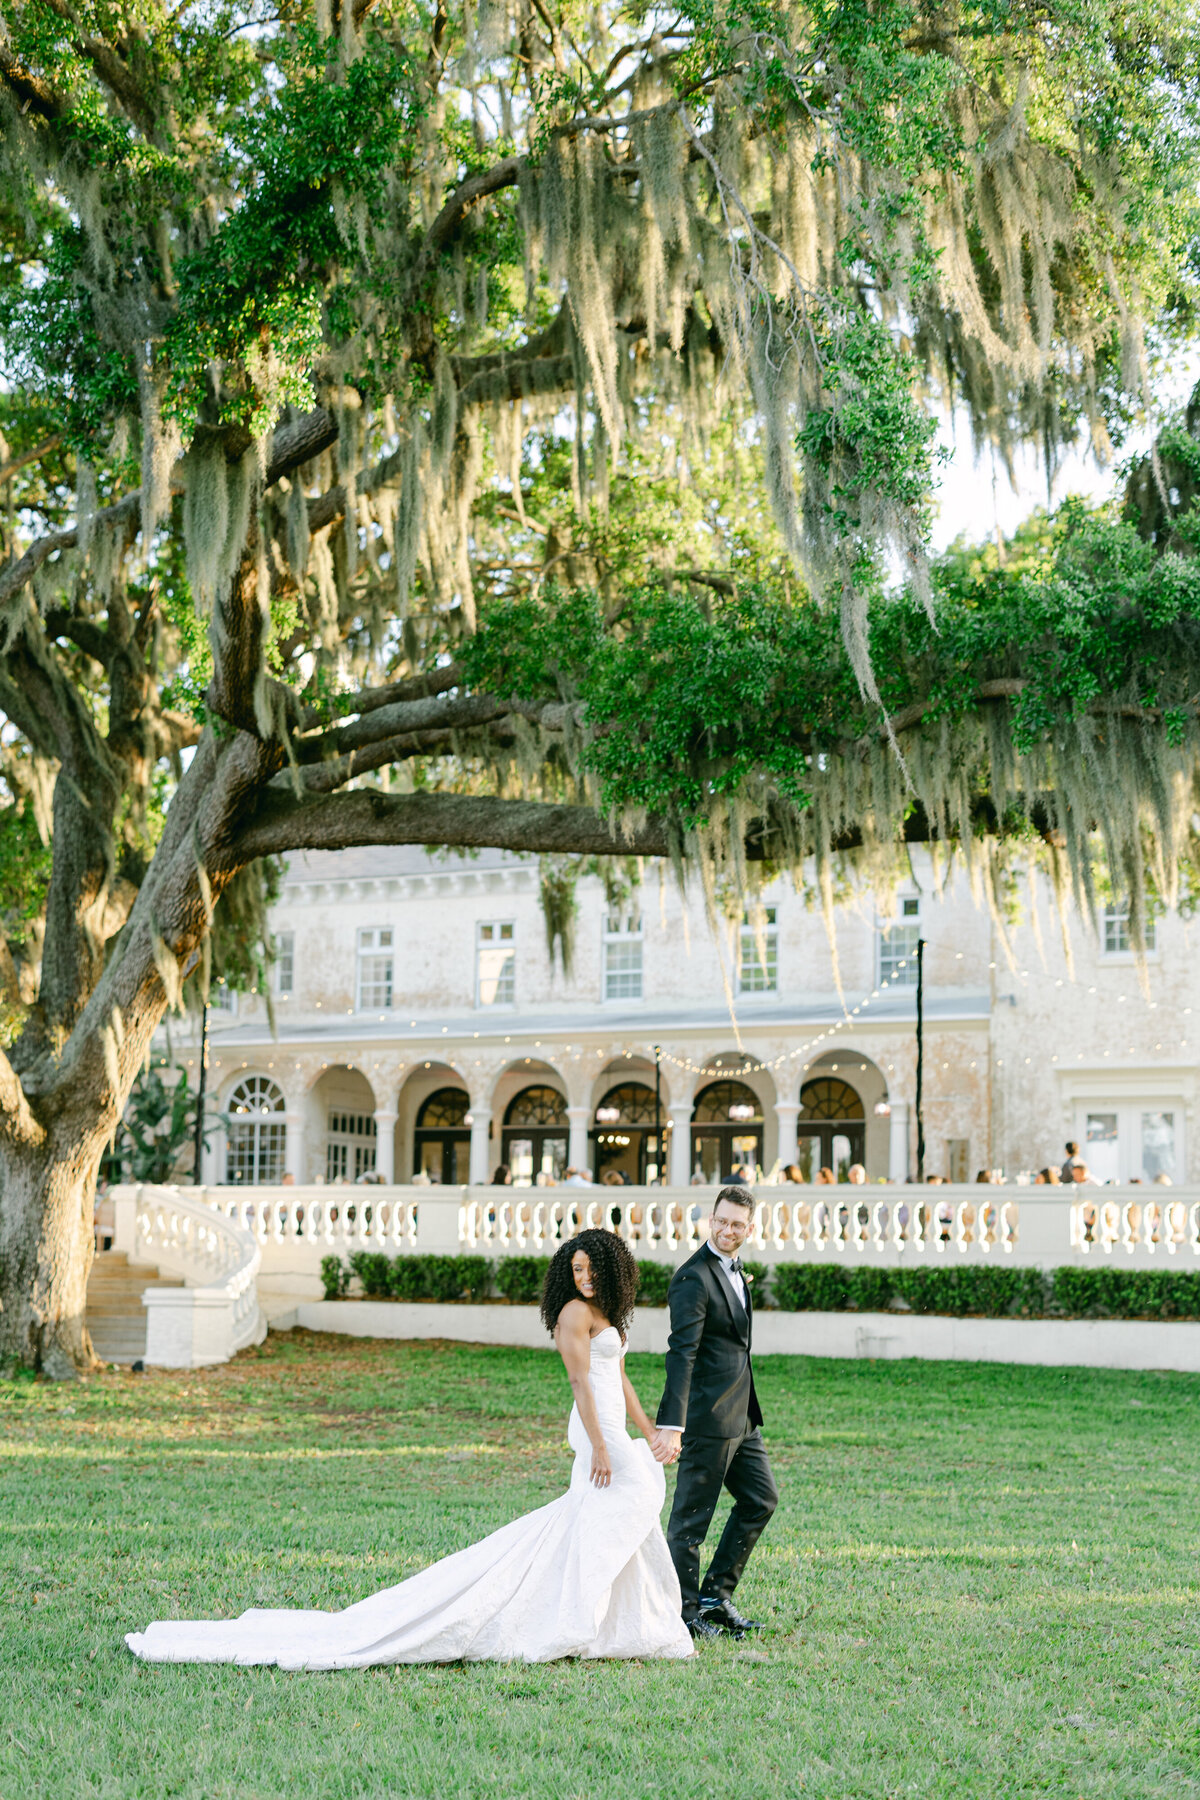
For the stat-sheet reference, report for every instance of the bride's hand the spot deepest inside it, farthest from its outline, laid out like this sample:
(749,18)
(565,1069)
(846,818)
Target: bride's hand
(601,1467)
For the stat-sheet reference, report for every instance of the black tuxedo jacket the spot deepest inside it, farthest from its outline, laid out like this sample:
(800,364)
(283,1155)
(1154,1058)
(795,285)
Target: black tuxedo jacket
(710,1384)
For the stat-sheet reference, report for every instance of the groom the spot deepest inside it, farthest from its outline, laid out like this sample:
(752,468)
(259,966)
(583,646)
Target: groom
(710,1404)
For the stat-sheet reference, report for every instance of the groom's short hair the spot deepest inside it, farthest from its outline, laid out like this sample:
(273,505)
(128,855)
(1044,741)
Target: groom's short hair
(737,1196)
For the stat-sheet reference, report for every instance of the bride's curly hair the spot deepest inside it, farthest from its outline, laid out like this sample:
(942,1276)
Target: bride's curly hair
(614,1274)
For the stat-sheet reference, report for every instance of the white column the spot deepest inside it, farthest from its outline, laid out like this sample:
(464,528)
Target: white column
(385,1143)
(681,1142)
(481,1121)
(293,1146)
(577,1148)
(787,1112)
(898,1142)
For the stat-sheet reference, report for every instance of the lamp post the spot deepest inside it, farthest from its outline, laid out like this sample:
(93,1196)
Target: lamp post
(658,1130)
(201,1086)
(920,1058)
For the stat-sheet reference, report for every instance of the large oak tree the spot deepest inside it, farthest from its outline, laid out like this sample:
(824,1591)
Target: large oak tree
(511,424)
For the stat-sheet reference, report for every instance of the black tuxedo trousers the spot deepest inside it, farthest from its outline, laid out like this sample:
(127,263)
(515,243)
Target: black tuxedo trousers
(710,1393)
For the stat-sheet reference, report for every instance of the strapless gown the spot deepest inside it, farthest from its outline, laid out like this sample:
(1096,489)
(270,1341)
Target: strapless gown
(589,1575)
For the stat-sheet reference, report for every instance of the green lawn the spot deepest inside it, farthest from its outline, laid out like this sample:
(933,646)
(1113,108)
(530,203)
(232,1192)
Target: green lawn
(980,1581)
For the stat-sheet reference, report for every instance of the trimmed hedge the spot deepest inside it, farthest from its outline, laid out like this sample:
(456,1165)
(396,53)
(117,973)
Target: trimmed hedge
(653,1281)
(520,1278)
(991,1291)
(417,1277)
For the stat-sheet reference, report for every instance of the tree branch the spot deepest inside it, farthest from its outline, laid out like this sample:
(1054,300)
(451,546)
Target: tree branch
(17,463)
(365,816)
(294,443)
(466,196)
(34,94)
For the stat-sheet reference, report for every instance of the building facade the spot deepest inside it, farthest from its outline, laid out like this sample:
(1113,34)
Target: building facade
(422,1029)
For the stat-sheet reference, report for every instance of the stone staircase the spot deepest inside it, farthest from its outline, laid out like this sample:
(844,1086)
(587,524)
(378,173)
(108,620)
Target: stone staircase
(116,1317)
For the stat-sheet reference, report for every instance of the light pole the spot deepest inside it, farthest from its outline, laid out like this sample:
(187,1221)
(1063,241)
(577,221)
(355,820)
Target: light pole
(201,1086)
(658,1130)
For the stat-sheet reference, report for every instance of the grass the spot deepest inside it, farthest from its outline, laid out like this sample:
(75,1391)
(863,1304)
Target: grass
(981,1581)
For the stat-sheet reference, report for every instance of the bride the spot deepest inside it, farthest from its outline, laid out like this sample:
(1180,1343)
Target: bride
(589,1575)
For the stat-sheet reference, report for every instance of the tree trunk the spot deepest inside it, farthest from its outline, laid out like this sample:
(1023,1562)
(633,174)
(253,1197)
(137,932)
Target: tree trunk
(47,1241)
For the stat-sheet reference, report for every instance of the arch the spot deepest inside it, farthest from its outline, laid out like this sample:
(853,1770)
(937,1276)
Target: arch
(629,1103)
(625,1137)
(829,1097)
(429,1147)
(831,1129)
(536,1106)
(444,1109)
(442,1137)
(536,1135)
(255,1133)
(342,1128)
(712,1104)
(727,1130)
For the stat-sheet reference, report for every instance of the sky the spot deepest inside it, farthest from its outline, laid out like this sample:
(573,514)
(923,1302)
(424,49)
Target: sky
(975,496)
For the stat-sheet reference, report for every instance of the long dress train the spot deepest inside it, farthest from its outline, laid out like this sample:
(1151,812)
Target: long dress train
(589,1575)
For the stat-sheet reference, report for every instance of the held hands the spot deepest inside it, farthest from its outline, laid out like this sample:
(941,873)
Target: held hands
(601,1467)
(664,1446)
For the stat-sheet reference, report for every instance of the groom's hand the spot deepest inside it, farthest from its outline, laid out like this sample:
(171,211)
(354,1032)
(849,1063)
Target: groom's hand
(665,1446)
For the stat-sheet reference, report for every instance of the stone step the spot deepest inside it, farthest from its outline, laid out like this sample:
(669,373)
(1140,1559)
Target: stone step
(116,1317)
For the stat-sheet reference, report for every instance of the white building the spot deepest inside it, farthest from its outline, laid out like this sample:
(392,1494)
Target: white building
(422,1026)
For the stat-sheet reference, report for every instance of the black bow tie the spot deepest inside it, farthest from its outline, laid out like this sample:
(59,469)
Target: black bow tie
(736,1265)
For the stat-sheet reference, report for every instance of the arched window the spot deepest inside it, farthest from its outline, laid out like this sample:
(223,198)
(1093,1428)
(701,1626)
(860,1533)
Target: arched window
(537,1106)
(716,1105)
(828,1098)
(534,1139)
(256,1133)
(831,1131)
(727,1131)
(626,1136)
(445,1110)
(442,1138)
(630,1104)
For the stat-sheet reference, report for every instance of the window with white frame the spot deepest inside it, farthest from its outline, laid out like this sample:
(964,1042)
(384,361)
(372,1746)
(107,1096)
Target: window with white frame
(758,955)
(495,963)
(285,962)
(1117,941)
(1132,1140)
(349,1146)
(255,1133)
(623,957)
(375,967)
(223,998)
(898,943)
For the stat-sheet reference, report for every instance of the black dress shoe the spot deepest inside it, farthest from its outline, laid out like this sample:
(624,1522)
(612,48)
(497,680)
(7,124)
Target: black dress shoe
(701,1630)
(726,1617)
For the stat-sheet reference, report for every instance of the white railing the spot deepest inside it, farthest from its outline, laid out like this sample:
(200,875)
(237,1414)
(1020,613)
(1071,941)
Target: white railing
(216,1313)
(1043,1227)
(1153,1221)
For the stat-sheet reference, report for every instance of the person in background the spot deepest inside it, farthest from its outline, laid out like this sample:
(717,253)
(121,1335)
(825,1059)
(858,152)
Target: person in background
(1048,1177)
(503,1176)
(825,1178)
(1162,1179)
(577,1178)
(1081,1175)
(1073,1157)
(792,1173)
(856,1175)
(738,1178)
(935,1181)
(984,1175)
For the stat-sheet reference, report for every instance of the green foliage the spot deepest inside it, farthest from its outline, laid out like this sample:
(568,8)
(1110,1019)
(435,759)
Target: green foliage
(991,1290)
(158,1130)
(1098,1290)
(416,1277)
(335,1277)
(521,1278)
(653,1281)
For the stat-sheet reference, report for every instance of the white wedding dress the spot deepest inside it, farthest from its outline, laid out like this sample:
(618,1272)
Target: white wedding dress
(589,1575)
